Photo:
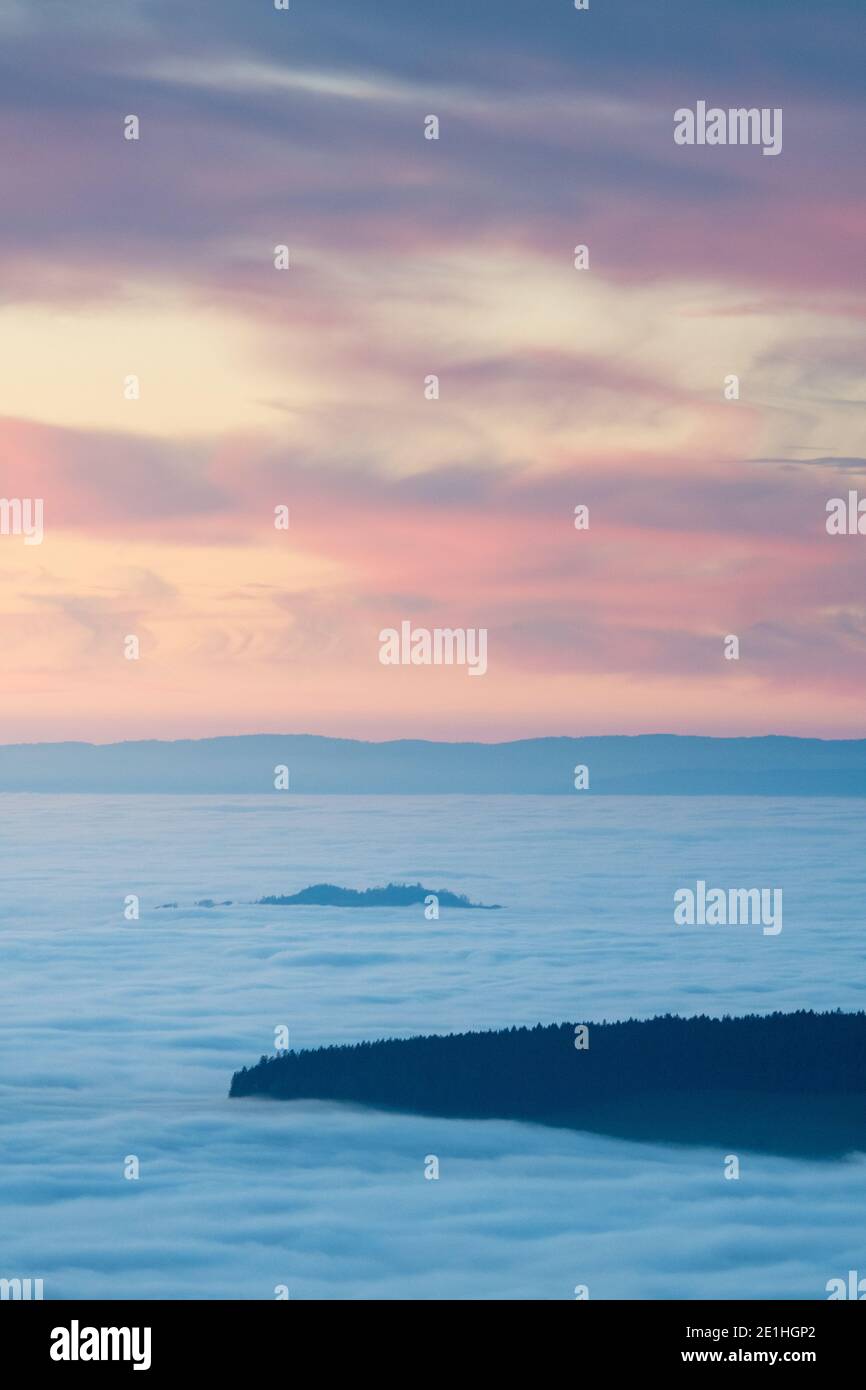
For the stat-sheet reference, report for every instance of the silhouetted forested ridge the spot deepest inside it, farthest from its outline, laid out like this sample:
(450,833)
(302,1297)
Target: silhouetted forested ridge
(786,1081)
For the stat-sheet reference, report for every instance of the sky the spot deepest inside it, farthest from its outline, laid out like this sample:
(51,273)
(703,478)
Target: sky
(304,388)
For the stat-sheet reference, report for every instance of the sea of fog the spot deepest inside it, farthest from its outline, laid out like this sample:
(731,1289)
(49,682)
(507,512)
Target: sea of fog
(118,1038)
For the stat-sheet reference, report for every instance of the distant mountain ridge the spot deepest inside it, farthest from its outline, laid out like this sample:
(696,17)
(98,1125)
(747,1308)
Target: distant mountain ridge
(618,764)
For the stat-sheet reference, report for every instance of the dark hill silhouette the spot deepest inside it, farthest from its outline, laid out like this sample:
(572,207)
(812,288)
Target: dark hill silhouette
(394,895)
(791,1083)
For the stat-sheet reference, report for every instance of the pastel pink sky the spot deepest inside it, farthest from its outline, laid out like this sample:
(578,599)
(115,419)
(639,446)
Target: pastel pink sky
(409,257)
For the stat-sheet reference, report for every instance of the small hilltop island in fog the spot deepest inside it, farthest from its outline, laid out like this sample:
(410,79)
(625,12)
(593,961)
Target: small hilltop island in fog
(330,895)
(394,895)
(785,1083)
(616,765)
